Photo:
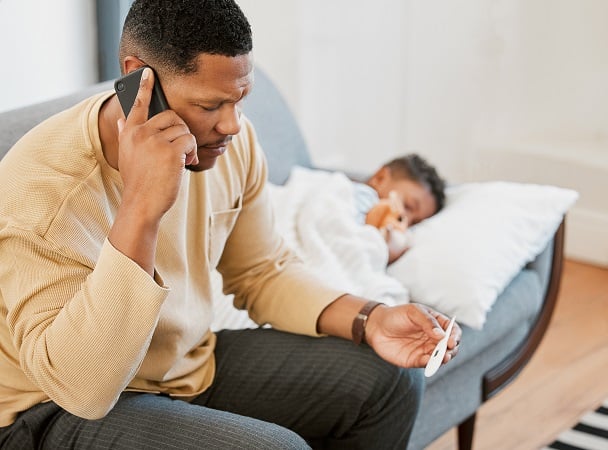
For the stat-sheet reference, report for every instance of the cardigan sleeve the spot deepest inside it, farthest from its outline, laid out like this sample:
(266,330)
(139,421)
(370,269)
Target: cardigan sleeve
(80,333)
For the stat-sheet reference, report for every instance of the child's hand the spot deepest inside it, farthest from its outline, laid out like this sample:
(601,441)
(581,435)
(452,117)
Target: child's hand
(391,220)
(398,242)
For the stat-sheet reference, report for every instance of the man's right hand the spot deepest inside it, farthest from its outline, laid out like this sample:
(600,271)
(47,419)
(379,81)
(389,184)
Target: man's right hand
(152,154)
(152,157)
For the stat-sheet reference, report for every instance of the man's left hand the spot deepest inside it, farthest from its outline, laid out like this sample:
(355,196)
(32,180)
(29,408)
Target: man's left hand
(406,335)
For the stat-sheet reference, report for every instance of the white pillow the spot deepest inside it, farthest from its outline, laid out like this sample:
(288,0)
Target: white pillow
(463,257)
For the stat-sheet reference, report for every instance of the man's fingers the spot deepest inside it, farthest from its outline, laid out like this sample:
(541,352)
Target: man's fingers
(121,125)
(436,325)
(429,322)
(179,134)
(454,340)
(141,105)
(176,130)
(187,144)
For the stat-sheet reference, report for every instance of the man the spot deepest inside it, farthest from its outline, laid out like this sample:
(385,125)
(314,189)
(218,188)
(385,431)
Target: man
(109,231)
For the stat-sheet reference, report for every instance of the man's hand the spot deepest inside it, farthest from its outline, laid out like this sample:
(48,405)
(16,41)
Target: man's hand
(152,156)
(406,335)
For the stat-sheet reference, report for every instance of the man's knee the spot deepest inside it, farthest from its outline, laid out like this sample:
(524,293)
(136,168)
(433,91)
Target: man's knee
(274,437)
(380,401)
(392,387)
(410,390)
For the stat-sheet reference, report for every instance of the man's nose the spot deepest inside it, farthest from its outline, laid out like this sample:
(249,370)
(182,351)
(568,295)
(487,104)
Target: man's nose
(230,120)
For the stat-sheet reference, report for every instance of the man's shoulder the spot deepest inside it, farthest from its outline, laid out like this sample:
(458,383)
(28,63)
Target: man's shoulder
(41,170)
(54,139)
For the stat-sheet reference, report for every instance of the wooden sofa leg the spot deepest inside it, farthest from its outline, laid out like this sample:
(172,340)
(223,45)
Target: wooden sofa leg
(465,433)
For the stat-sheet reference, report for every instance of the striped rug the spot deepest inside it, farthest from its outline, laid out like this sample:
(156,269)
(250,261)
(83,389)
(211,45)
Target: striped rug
(591,433)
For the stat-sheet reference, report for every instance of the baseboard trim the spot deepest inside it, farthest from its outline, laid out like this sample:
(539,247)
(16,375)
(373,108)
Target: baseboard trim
(587,236)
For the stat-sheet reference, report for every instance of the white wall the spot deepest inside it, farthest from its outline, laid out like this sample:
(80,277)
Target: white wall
(545,120)
(48,48)
(552,67)
(340,64)
(438,76)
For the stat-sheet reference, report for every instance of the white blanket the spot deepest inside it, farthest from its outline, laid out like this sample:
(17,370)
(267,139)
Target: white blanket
(315,213)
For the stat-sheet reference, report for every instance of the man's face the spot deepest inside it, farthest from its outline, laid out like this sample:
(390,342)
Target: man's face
(210,100)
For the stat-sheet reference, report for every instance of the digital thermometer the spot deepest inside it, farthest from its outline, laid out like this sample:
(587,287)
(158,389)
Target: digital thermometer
(439,352)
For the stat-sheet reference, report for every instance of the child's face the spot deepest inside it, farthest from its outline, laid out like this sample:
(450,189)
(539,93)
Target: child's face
(417,199)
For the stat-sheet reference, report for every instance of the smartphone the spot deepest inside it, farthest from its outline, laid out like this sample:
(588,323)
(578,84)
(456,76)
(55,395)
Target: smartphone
(126,88)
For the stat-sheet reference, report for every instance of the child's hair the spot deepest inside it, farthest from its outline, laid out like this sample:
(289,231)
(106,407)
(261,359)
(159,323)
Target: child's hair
(416,168)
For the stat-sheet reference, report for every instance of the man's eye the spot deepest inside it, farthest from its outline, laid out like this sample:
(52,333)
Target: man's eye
(210,108)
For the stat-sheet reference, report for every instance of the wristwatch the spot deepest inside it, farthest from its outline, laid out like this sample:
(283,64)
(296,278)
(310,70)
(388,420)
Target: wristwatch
(358,330)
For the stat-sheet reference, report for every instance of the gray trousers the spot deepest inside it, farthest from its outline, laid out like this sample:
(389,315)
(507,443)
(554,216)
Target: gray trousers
(273,390)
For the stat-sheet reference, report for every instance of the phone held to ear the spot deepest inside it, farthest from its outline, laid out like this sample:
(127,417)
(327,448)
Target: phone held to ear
(126,88)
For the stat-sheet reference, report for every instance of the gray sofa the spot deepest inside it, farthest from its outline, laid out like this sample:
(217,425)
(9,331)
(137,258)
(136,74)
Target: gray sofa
(489,359)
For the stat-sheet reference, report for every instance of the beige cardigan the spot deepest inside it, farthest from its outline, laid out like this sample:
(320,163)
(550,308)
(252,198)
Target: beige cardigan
(80,322)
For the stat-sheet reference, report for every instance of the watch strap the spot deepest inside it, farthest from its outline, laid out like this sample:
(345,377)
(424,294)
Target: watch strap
(360,321)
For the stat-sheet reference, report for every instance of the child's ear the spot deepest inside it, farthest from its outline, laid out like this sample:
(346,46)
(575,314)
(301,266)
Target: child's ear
(380,179)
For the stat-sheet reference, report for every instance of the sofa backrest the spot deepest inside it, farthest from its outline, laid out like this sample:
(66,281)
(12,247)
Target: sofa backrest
(276,127)
(15,123)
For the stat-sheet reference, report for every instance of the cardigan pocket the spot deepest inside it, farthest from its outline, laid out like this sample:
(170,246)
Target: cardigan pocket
(221,224)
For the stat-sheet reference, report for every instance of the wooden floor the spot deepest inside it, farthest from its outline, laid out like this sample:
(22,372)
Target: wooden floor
(567,375)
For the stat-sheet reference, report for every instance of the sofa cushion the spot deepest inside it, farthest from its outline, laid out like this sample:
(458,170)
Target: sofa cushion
(515,307)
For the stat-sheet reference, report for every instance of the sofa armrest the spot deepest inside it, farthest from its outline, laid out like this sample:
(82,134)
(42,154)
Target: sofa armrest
(504,372)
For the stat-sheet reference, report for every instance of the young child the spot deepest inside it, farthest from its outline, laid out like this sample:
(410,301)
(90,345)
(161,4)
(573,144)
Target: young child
(401,193)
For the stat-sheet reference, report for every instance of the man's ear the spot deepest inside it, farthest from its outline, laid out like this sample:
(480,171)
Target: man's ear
(132,63)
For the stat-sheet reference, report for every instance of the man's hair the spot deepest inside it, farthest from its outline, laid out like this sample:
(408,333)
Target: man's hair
(416,168)
(170,34)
